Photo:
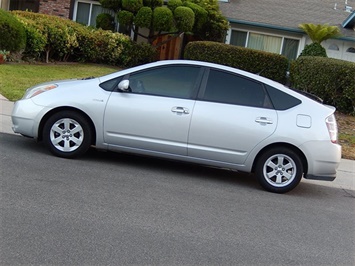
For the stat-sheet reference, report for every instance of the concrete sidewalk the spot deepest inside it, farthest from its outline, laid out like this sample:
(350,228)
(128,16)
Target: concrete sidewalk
(5,115)
(345,176)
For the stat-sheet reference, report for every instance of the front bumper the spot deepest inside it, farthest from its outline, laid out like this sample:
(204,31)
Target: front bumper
(26,116)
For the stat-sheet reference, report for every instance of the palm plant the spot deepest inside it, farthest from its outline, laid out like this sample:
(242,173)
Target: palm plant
(318,33)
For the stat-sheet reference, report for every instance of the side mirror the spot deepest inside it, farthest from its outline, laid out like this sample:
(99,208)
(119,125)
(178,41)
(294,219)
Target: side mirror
(124,86)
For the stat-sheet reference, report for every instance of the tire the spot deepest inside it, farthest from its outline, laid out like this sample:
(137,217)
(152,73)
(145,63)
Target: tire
(279,170)
(67,134)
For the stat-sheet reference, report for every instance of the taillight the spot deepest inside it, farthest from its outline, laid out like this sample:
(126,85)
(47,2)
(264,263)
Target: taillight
(332,128)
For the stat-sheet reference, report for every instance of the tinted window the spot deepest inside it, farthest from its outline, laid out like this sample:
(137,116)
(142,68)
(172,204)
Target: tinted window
(171,81)
(233,89)
(281,100)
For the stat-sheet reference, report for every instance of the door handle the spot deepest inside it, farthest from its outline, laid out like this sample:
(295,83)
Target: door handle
(180,110)
(263,120)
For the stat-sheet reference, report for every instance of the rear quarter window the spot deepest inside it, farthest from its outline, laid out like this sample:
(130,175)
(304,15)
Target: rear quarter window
(281,100)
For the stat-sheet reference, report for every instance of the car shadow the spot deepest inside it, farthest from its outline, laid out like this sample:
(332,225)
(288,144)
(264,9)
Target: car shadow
(312,190)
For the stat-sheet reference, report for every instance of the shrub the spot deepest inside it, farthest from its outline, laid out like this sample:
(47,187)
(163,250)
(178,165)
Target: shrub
(125,17)
(201,15)
(172,4)
(143,17)
(270,65)
(63,39)
(132,5)
(185,18)
(105,21)
(314,49)
(331,79)
(13,35)
(162,18)
(135,54)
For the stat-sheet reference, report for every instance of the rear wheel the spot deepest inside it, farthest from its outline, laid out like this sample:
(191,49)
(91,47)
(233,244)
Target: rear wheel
(67,134)
(279,170)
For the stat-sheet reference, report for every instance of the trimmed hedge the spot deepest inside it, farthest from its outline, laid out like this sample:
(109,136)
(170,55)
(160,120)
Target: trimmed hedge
(13,36)
(55,38)
(270,65)
(331,79)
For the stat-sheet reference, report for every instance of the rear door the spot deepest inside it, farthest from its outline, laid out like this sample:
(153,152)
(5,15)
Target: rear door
(155,114)
(232,115)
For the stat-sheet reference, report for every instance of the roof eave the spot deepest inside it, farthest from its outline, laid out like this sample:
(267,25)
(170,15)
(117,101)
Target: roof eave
(274,27)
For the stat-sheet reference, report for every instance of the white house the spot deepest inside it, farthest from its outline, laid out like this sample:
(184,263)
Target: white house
(272,25)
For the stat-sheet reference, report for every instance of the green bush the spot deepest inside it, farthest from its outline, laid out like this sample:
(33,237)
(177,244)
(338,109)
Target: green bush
(162,18)
(331,79)
(59,35)
(55,38)
(105,21)
(36,40)
(125,17)
(314,49)
(201,15)
(173,4)
(270,65)
(184,18)
(13,35)
(63,39)
(144,17)
(132,5)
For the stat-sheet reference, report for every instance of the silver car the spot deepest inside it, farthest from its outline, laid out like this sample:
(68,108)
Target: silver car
(191,111)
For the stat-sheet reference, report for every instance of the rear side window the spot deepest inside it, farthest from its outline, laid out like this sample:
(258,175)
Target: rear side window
(225,87)
(280,99)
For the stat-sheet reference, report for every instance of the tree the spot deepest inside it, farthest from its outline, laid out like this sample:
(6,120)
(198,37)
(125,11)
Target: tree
(318,33)
(199,17)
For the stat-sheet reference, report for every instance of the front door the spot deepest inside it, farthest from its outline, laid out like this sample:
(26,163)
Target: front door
(155,114)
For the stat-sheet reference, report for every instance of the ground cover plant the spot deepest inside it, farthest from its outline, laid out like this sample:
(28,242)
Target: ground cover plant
(16,78)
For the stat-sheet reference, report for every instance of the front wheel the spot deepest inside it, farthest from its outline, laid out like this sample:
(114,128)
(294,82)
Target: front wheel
(279,170)
(67,134)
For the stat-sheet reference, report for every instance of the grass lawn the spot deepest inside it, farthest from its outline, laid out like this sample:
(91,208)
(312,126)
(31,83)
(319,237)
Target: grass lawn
(16,78)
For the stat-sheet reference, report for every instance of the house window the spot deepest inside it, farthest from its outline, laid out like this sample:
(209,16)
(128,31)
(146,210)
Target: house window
(333,47)
(31,5)
(85,12)
(264,42)
(351,50)
(269,43)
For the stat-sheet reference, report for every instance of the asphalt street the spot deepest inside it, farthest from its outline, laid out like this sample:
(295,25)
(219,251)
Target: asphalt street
(117,209)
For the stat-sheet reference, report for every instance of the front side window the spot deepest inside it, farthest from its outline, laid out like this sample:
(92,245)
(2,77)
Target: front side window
(169,81)
(224,87)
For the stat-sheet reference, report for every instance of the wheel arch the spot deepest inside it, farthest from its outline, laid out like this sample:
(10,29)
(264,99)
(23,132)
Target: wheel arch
(282,145)
(66,108)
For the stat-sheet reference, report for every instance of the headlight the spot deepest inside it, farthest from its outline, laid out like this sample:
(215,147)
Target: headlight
(32,92)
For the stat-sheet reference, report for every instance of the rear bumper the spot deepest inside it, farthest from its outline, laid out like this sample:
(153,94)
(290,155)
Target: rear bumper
(323,159)
(322,178)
